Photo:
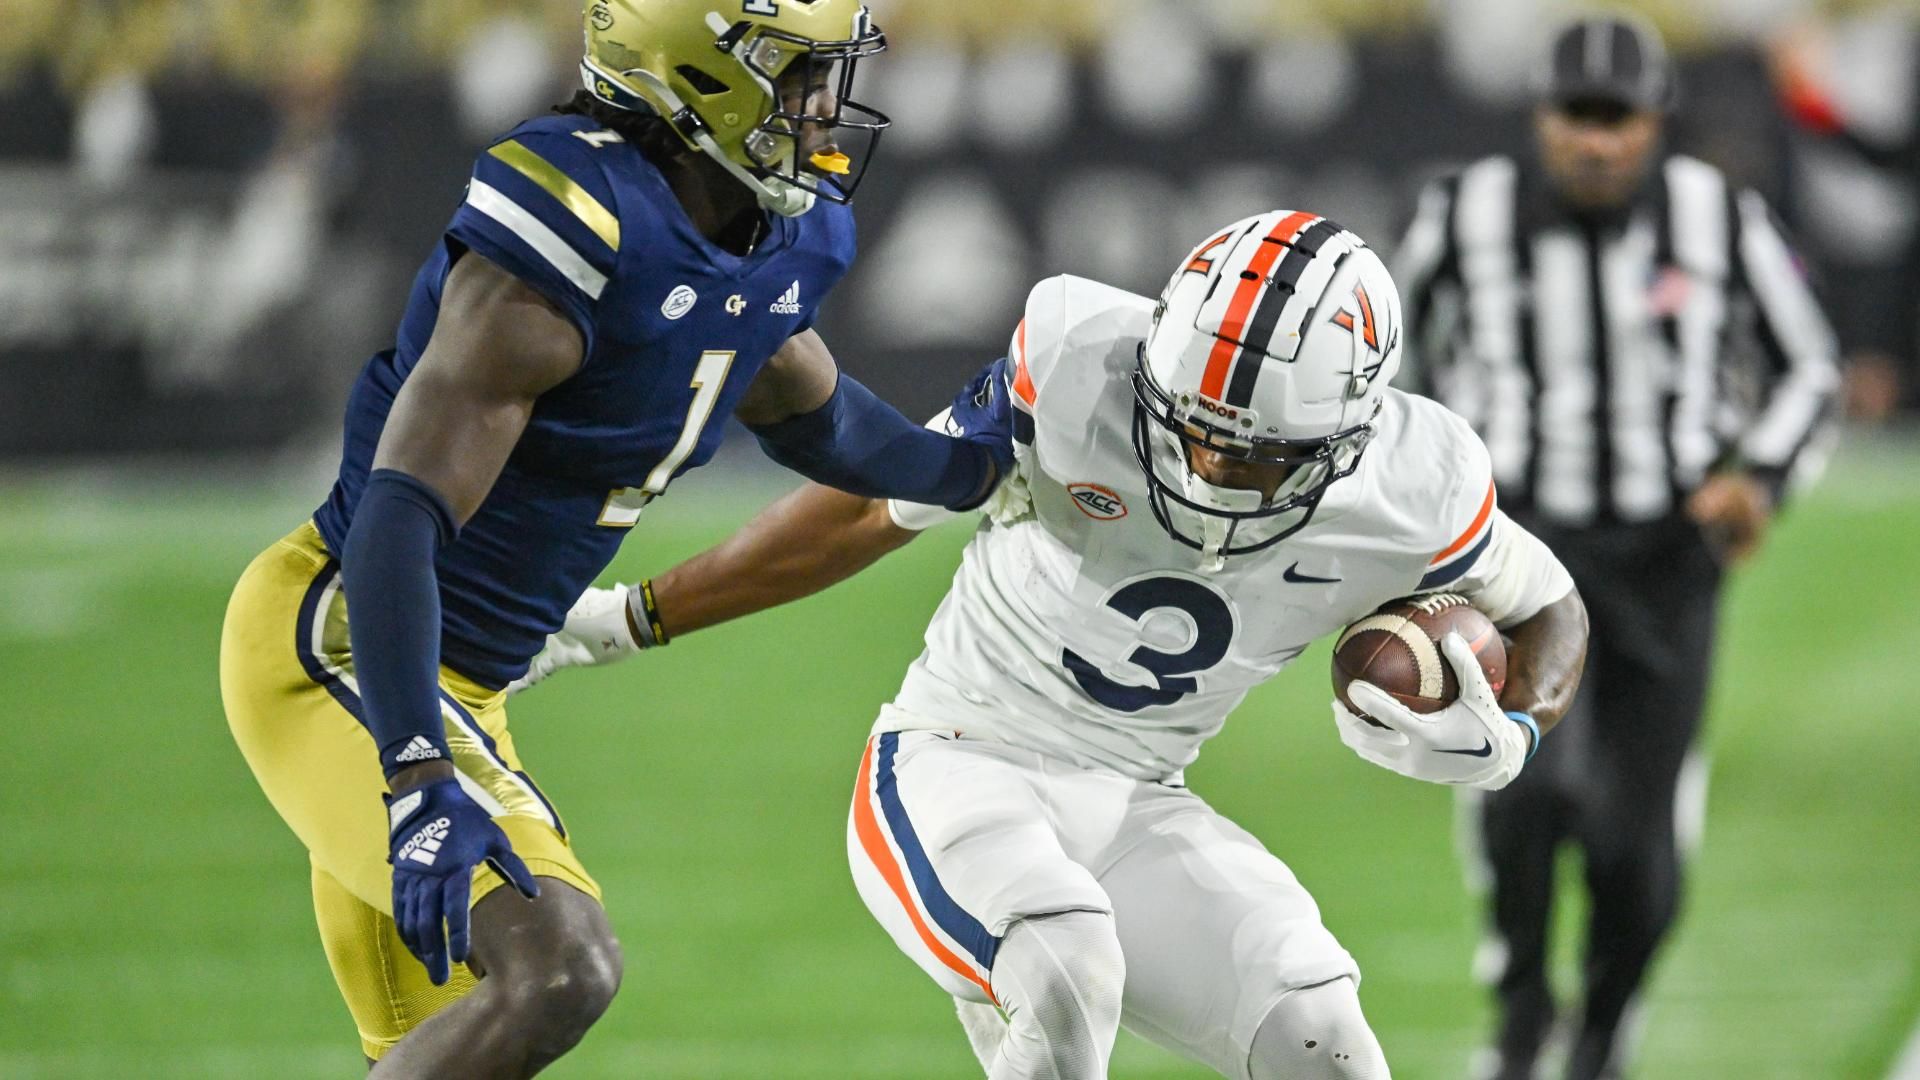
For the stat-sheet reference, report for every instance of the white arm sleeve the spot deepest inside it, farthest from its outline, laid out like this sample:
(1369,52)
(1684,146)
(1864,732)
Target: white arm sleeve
(918,517)
(1515,577)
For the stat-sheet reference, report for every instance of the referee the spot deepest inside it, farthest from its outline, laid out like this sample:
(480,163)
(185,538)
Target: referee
(1640,350)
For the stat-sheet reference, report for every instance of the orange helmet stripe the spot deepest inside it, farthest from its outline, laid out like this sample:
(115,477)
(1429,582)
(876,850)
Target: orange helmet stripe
(1213,383)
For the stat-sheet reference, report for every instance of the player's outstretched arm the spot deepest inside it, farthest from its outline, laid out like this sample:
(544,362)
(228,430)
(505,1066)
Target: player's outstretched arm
(496,346)
(827,427)
(805,542)
(811,539)
(793,548)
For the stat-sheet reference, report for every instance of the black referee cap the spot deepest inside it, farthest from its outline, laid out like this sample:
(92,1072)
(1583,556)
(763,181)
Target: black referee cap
(1612,58)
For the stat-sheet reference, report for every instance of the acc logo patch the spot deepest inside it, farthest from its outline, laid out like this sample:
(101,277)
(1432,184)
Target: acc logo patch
(602,18)
(1097,502)
(679,302)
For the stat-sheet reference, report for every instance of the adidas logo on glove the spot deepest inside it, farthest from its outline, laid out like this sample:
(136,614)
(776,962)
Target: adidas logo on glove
(424,846)
(789,302)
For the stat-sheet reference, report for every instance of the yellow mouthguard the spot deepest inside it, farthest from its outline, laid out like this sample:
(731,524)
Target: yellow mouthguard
(837,164)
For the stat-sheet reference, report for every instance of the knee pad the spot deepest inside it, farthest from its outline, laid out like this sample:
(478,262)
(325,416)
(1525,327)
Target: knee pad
(1060,979)
(1317,1033)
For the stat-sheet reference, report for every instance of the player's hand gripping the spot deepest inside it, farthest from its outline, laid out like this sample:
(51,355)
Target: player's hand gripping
(596,632)
(436,836)
(982,413)
(1471,742)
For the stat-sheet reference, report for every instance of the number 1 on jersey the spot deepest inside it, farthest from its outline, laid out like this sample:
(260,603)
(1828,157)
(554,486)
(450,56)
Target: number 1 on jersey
(622,510)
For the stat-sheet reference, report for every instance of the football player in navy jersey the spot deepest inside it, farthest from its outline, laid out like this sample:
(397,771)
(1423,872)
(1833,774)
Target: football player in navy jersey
(620,275)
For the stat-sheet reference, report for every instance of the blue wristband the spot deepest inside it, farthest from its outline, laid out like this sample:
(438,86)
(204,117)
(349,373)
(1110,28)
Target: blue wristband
(1533,730)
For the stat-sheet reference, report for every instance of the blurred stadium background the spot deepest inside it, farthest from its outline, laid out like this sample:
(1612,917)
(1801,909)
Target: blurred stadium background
(208,213)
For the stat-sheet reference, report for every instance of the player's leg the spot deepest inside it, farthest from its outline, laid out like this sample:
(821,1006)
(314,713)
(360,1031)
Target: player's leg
(286,679)
(1227,960)
(549,973)
(386,996)
(1317,1031)
(1059,978)
(954,852)
(549,969)
(1647,714)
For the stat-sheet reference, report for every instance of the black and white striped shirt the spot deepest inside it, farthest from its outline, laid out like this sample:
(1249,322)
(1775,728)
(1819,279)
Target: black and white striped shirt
(1611,365)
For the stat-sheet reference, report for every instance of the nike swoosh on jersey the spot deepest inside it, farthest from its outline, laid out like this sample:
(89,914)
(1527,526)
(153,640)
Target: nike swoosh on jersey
(1486,749)
(1293,574)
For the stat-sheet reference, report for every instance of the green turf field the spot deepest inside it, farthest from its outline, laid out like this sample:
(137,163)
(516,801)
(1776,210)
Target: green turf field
(154,918)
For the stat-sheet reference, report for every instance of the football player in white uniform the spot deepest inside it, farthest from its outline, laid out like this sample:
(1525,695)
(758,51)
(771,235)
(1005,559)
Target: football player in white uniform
(1205,486)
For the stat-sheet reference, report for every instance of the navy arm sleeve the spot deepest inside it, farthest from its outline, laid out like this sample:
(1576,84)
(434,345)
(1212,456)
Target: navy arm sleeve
(393,604)
(862,445)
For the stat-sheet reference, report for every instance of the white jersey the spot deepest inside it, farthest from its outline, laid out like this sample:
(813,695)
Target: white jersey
(1078,628)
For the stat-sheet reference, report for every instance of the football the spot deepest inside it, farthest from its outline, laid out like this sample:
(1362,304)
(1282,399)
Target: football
(1397,649)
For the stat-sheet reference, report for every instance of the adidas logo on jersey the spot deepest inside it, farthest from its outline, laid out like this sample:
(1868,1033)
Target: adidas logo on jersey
(424,846)
(789,302)
(418,750)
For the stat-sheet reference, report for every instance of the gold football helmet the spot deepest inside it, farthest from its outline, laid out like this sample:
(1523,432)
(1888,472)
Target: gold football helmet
(743,86)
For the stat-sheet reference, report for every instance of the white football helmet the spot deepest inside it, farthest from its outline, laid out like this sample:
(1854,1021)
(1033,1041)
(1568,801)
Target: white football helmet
(1273,344)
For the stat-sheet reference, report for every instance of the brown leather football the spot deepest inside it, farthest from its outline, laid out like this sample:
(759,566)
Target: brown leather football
(1397,649)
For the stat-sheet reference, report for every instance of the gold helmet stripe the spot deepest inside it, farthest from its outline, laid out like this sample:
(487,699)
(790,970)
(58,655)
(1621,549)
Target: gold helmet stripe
(562,187)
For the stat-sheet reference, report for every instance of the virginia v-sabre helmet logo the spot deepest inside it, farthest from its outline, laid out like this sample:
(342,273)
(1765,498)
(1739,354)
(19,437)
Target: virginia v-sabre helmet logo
(739,89)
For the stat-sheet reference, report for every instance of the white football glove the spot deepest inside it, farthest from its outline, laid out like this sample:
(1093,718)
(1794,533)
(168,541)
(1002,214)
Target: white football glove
(1472,742)
(1012,500)
(596,632)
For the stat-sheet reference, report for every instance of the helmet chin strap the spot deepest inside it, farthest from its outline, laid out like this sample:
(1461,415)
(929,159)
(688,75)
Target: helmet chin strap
(1216,533)
(775,196)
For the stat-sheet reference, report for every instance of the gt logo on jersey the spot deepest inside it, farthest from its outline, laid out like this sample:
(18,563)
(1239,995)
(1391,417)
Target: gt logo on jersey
(1365,330)
(769,8)
(1097,502)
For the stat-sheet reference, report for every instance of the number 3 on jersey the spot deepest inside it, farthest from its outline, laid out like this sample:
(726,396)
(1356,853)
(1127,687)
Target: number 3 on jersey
(622,510)
(1212,632)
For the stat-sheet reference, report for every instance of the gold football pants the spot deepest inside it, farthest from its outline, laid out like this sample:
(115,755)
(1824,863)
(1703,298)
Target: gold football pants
(286,676)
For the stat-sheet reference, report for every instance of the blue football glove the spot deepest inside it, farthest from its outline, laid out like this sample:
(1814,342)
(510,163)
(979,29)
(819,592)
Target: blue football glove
(437,835)
(982,414)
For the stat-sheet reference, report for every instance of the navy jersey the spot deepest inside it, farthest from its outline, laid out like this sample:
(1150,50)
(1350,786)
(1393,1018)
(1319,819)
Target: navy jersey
(675,330)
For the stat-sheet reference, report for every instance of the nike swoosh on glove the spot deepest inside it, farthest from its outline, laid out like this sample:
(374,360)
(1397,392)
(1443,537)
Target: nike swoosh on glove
(596,632)
(1472,742)
(437,835)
